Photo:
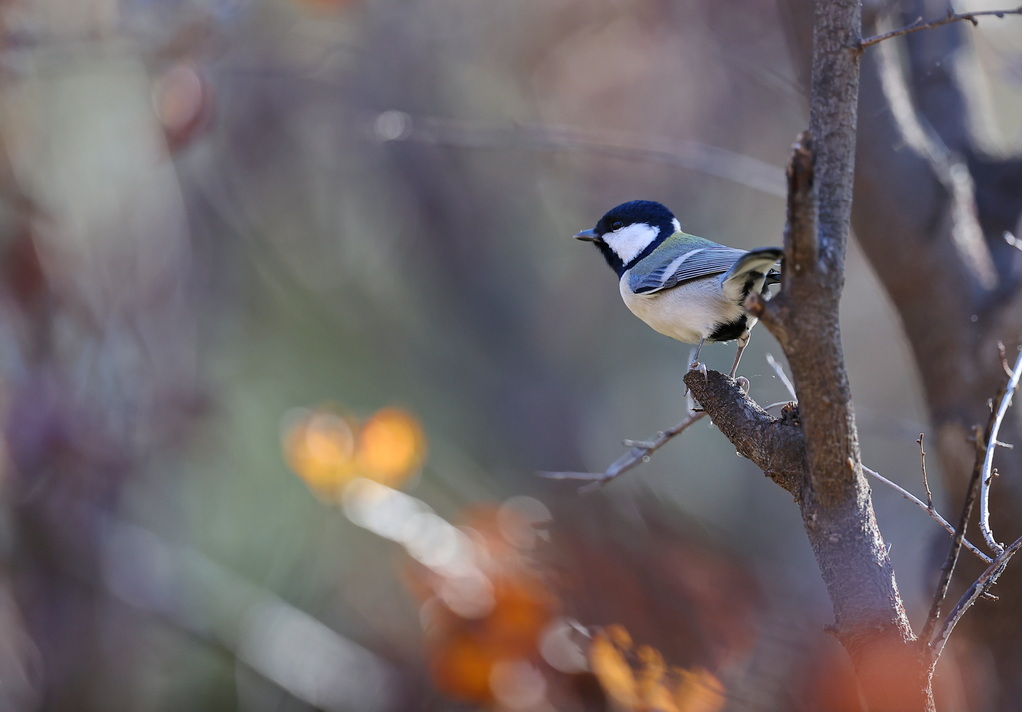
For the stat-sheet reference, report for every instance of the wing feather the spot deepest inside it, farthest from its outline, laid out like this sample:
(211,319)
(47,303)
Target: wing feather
(679,259)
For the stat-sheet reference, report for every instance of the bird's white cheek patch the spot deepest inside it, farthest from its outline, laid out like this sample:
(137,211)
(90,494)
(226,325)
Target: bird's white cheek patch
(630,240)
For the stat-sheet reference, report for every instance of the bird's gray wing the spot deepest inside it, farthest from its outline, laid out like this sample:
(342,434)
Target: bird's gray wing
(680,262)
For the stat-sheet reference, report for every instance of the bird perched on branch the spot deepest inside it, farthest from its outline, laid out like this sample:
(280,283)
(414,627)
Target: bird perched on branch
(685,287)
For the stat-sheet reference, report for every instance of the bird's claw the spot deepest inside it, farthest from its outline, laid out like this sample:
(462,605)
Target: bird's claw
(701,367)
(743,384)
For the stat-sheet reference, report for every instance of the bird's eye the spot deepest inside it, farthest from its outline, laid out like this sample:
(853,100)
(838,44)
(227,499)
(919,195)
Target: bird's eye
(617,225)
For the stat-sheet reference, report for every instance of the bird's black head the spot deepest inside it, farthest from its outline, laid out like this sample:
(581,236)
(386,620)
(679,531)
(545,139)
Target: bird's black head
(631,231)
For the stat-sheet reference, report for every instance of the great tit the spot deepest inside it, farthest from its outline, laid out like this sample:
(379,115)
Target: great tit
(685,287)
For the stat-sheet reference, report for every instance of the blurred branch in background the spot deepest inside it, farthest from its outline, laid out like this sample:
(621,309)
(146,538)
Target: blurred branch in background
(253,626)
(692,155)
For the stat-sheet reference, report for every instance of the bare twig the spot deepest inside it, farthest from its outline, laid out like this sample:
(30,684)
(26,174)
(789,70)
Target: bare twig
(639,453)
(928,508)
(922,465)
(951,16)
(1004,358)
(983,584)
(781,375)
(988,460)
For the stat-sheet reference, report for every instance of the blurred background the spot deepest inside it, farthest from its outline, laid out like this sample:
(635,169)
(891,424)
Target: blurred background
(292,318)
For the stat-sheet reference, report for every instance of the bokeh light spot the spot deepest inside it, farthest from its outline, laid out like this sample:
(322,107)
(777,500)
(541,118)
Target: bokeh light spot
(319,447)
(560,650)
(517,684)
(519,519)
(391,446)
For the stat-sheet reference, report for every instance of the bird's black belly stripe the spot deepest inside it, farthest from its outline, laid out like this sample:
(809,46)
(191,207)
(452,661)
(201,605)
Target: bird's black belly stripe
(734,329)
(729,331)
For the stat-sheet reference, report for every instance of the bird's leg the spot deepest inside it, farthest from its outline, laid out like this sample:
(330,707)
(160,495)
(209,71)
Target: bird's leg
(694,362)
(694,365)
(743,341)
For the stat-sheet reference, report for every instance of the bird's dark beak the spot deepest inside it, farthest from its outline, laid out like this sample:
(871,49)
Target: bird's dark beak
(588,236)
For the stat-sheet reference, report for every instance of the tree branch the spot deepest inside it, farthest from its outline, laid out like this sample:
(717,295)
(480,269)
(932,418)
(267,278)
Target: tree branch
(990,445)
(951,16)
(922,466)
(639,453)
(979,588)
(929,509)
(836,503)
(775,445)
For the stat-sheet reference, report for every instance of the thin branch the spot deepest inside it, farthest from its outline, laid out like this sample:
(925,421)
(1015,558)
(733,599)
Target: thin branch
(781,375)
(983,584)
(639,453)
(957,542)
(951,16)
(988,460)
(928,508)
(922,465)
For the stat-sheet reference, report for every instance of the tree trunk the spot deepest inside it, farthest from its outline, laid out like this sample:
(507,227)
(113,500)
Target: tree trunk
(834,498)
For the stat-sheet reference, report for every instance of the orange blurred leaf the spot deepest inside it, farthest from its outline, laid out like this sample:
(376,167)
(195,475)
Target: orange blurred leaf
(522,609)
(619,636)
(319,446)
(473,650)
(637,678)
(698,690)
(391,447)
(462,666)
(650,671)
(612,670)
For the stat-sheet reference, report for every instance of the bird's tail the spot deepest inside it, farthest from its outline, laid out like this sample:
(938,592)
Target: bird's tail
(750,268)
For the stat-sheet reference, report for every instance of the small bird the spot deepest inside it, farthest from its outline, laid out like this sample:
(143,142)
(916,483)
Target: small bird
(685,287)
